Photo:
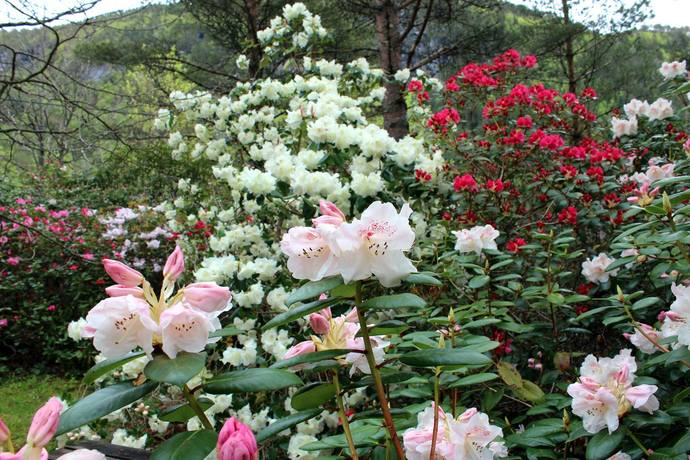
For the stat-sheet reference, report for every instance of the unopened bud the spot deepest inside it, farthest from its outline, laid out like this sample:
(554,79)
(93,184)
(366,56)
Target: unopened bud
(667,203)
(561,361)
(566,420)
(620,296)
(451,316)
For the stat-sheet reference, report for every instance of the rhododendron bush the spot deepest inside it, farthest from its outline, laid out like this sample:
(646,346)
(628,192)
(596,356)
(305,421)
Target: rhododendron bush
(510,280)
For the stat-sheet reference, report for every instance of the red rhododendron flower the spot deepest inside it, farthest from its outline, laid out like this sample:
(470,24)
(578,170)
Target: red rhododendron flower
(514,245)
(465,182)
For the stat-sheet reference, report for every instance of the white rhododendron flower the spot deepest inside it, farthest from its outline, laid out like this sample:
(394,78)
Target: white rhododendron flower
(605,392)
(641,341)
(476,238)
(676,321)
(660,109)
(673,69)
(636,108)
(470,436)
(594,269)
(622,127)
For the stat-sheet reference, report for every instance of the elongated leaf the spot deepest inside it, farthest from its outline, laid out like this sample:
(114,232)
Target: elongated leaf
(176,371)
(299,312)
(102,403)
(309,358)
(603,444)
(285,423)
(393,301)
(252,380)
(443,357)
(190,445)
(313,289)
(225,332)
(109,365)
(312,396)
(479,281)
(473,380)
(423,278)
(183,412)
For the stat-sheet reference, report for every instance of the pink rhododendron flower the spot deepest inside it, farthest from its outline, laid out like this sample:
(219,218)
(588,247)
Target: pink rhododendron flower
(594,269)
(476,238)
(301,348)
(641,342)
(605,392)
(309,255)
(118,325)
(676,322)
(119,290)
(375,245)
(470,436)
(185,329)
(236,442)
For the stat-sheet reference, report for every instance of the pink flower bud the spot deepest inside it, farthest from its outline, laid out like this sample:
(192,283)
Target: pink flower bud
(122,274)
(319,324)
(236,442)
(174,266)
(208,297)
(119,290)
(330,215)
(301,348)
(44,424)
(83,454)
(4,432)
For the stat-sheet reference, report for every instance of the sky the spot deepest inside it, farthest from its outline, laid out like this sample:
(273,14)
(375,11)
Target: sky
(667,12)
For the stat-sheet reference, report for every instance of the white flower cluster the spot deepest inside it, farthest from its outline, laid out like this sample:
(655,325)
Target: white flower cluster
(658,110)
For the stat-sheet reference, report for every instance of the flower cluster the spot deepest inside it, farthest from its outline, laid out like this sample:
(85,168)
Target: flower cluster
(134,316)
(469,436)
(605,392)
(372,245)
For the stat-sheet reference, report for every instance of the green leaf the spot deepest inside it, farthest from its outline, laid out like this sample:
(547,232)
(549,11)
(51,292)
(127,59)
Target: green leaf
(313,395)
(190,445)
(225,332)
(645,303)
(393,301)
(309,358)
(313,289)
(284,423)
(176,371)
(481,323)
(102,403)
(251,380)
(299,312)
(183,412)
(555,298)
(109,365)
(423,278)
(344,290)
(529,391)
(389,327)
(603,444)
(443,357)
(479,281)
(473,379)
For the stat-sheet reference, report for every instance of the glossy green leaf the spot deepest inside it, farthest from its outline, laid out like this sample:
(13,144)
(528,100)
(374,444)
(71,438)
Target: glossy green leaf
(312,289)
(473,379)
(312,396)
(298,312)
(309,358)
(394,301)
(479,281)
(286,422)
(251,380)
(101,403)
(603,444)
(423,278)
(443,357)
(225,332)
(190,445)
(183,412)
(176,371)
(109,365)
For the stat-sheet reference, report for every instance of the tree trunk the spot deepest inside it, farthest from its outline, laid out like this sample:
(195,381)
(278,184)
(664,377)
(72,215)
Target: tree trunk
(390,51)
(569,53)
(256,50)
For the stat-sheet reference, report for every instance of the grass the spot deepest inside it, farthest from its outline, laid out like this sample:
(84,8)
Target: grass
(20,397)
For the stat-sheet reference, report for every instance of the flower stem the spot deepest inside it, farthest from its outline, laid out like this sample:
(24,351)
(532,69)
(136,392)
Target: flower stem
(637,442)
(343,417)
(380,391)
(434,435)
(194,404)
